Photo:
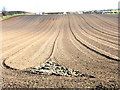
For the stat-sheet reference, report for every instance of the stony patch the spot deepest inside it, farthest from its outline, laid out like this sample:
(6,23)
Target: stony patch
(52,68)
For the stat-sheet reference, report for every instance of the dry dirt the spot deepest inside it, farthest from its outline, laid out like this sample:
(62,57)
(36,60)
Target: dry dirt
(87,43)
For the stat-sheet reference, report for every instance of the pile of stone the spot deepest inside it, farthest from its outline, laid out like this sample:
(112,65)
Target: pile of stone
(52,68)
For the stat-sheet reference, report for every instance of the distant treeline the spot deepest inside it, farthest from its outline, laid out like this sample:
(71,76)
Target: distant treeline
(53,13)
(5,13)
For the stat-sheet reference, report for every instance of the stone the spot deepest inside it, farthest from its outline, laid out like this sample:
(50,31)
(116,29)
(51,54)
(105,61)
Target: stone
(68,72)
(45,68)
(62,68)
(57,68)
(33,68)
(52,68)
(57,65)
(56,74)
(91,76)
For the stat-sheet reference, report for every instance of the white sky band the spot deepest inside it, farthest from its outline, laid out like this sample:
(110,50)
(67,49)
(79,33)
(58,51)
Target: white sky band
(57,5)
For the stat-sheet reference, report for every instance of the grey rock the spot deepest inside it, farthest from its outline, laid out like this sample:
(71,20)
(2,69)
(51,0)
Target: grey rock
(57,65)
(47,65)
(91,76)
(45,68)
(52,68)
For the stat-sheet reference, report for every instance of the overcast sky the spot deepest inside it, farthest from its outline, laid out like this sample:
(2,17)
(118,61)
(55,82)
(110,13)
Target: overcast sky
(57,5)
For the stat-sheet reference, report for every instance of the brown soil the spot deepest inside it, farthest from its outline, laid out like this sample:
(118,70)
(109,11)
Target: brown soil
(87,43)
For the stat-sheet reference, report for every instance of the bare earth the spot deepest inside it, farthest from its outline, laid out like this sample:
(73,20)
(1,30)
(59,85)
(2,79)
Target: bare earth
(87,43)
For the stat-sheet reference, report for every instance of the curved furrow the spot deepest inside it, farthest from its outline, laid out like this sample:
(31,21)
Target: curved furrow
(37,53)
(65,53)
(68,52)
(99,24)
(34,38)
(65,40)
(31,29)
(92,62)
(21,46)
(98,35)
(111,43)
(87,37)
(46,50)
(96,44)
(109,56)
(18,24)
(11,31)
(25,61)
(99,30)
(17,33)
(106,22)
(12,20)
(95,32)
(105,26)
(36,33)
(60,54)
(113,18)
(24,35)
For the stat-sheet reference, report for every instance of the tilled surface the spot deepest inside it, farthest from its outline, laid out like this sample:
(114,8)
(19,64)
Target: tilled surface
(60,51)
